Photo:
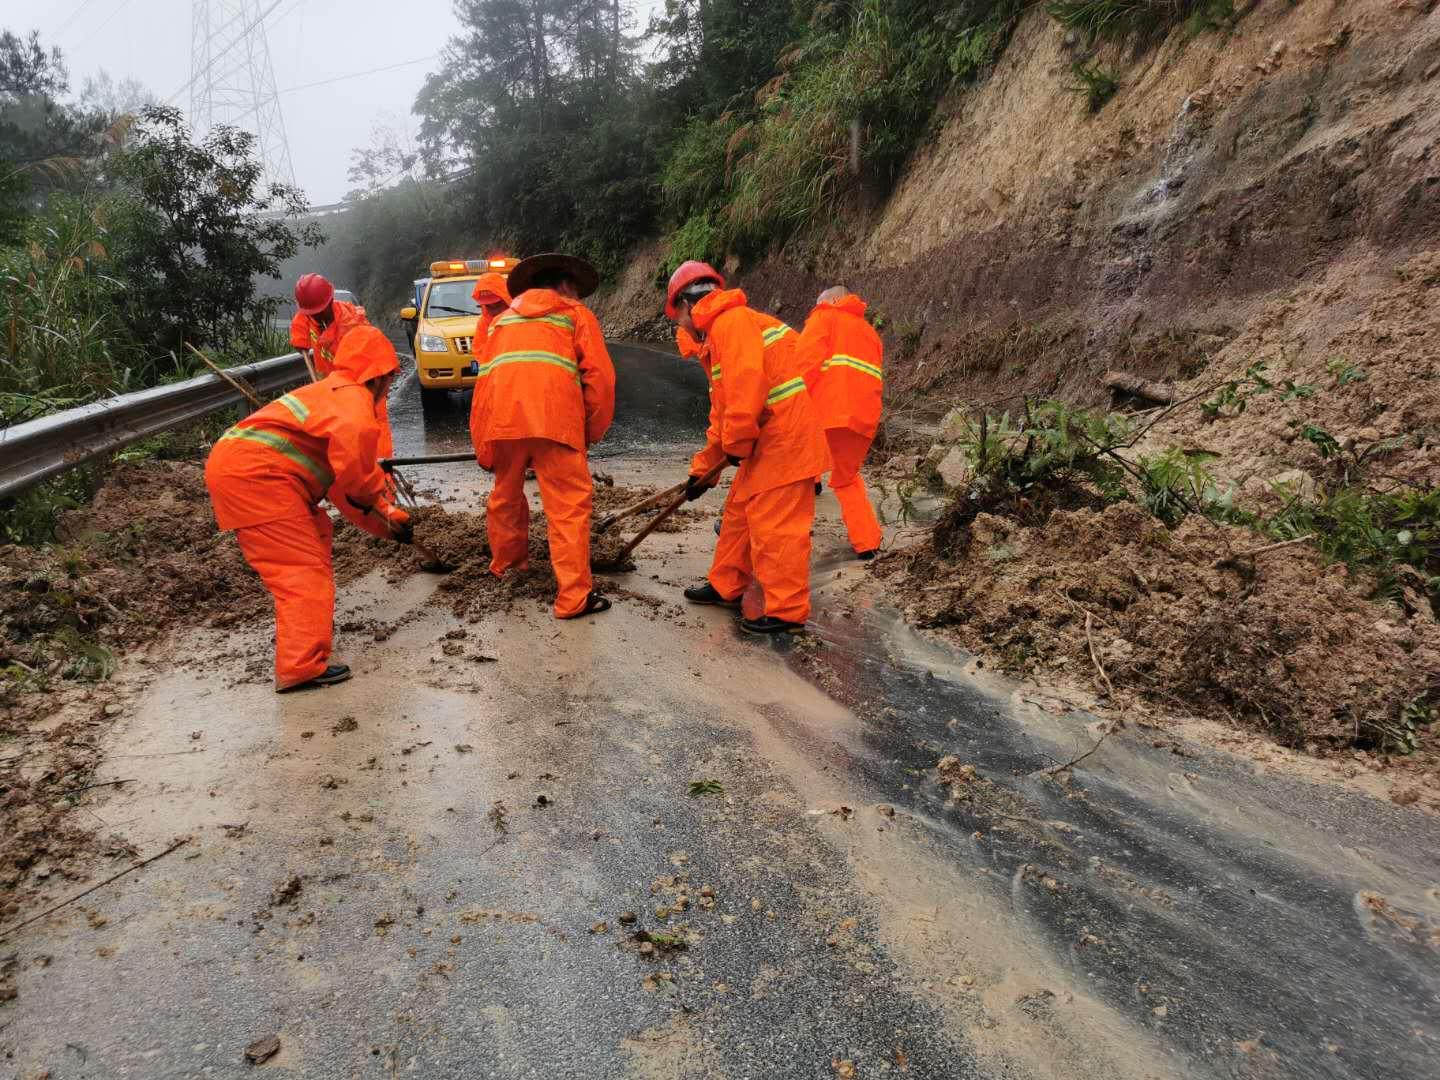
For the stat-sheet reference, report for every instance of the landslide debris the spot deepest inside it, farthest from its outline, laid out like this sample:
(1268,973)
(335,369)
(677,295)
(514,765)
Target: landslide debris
(143,559)
(1279,642)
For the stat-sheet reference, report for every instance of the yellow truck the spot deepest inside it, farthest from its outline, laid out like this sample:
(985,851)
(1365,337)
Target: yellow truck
(441,324)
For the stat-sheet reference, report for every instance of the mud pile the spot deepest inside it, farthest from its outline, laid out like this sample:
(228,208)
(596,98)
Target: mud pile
(1365,358)
(145,558)
(1278,641)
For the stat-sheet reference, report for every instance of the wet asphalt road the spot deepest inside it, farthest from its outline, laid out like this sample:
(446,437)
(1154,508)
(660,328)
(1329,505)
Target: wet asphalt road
(1162,915)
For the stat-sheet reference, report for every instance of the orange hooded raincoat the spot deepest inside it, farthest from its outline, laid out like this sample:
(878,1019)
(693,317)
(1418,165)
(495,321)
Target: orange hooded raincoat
(842,355)
(545,394)
(267,475)
(494,284)
(760,412)
(324,345)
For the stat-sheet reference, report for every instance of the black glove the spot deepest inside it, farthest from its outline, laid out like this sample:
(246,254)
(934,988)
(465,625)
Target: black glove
(819,487)
(404,533)
(733,459)
(695,486)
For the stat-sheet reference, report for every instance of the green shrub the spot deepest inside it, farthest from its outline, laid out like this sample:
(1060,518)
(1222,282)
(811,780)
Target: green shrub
(1096,83)
(1116,19)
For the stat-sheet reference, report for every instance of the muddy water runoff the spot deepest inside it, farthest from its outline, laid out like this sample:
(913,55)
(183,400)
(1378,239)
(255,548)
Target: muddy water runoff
(430,870)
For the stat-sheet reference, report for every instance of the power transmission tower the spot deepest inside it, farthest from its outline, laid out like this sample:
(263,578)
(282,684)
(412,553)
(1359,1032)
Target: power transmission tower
(232,81)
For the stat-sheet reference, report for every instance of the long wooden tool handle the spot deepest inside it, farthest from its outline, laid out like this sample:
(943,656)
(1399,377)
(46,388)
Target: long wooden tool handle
(644,504)
(244,391)
(430,459)
(710,477)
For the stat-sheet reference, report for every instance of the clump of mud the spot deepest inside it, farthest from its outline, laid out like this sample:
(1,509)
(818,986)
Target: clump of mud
(1279,642)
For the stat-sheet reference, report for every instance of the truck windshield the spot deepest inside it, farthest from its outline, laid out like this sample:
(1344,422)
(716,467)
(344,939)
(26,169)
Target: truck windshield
(448,298)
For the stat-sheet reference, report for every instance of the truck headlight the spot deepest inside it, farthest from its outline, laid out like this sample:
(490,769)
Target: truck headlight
(432,343)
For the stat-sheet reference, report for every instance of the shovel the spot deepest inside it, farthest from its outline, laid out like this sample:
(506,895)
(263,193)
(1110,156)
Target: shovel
(644,504)
(655,522)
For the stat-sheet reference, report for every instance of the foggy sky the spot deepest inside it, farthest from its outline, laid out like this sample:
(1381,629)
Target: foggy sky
(310,41)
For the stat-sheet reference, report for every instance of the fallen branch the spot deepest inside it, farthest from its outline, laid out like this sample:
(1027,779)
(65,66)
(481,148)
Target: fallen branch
(1126,383)
(1053,769)
(1274,547)
(95,888)
(1113,724)
(1095,657)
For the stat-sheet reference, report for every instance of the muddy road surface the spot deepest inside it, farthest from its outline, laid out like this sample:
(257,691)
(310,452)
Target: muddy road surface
(644,845)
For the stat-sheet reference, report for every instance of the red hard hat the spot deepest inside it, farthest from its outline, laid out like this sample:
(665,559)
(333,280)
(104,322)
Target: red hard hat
(313,293)
(685,275)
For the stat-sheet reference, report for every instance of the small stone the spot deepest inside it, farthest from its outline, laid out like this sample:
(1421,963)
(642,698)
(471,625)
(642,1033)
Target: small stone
(885,810)
(262,1050)
(706,890)
(662,912)
(601,927)
(755,905)
(628,918)
(114,709)
(647,948)
(1161,1011)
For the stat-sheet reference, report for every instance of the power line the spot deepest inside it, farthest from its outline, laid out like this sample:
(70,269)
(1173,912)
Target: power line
(359,74)
(123,5)
(73,16)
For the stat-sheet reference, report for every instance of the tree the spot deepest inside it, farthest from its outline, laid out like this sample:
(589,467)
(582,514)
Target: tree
(196,229)
(26,68)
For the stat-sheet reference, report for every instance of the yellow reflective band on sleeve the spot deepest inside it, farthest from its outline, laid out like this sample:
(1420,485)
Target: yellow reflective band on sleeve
(840,360)
(280,444)
(787,389)
(554,359)
(296,406)
(774,334)
(562,321)
(715,373)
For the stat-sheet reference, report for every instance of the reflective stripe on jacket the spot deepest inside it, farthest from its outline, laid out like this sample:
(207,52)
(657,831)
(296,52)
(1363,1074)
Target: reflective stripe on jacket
(842,358)
(283,459)
(760,410)
(544,374)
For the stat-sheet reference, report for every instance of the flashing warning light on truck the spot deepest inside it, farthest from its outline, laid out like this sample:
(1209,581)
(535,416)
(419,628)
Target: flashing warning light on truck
(442,322)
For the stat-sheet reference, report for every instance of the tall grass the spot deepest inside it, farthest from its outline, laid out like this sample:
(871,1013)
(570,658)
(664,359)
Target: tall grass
(62,340)
(1121,18)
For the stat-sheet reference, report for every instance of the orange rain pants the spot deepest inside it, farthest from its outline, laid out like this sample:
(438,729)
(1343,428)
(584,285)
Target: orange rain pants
(567,496)
(847,451)
(292,557)
(765,539)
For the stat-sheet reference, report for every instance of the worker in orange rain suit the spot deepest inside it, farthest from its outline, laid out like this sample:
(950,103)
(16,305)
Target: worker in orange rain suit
(841,356)
(761,419)
(545,395)
(318,328)
(493,295)
(267,475)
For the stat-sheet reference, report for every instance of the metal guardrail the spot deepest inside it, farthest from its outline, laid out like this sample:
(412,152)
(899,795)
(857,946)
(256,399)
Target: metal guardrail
(40,449)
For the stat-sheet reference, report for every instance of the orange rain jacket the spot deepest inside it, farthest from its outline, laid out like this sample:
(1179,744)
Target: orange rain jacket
(689,347)
(545,374)
(283,459)
(760,410)
(487,283)
(305,333)
(841,356)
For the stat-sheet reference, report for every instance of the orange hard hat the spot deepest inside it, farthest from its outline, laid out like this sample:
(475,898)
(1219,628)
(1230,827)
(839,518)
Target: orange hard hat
(685,275)
(313,293)
(493,286)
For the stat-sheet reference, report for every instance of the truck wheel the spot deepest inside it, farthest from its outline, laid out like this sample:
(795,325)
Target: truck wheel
(432,399)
